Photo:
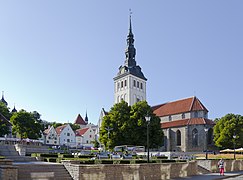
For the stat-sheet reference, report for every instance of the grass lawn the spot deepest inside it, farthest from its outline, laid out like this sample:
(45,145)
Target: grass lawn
(219,156)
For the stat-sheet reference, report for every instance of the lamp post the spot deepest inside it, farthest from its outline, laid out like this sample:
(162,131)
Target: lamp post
(234,136)
(206,136)
(148,121)
(108,131)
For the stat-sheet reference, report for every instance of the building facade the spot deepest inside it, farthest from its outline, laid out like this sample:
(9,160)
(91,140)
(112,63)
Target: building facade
(185,125)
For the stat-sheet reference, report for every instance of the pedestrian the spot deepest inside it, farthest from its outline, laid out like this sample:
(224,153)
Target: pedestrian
(221,167)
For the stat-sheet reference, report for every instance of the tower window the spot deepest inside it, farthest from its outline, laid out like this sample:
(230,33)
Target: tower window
(141,85)
(125,83)
(138,84)
(134,83)
(183,116)
(122,84)
(118,85)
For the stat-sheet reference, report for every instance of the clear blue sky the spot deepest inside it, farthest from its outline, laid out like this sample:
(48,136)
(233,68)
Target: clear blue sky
(59,57)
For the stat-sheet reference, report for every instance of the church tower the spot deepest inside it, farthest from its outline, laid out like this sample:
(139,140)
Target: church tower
(130,83)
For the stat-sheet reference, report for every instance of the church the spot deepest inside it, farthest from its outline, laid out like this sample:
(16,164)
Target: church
(184,122)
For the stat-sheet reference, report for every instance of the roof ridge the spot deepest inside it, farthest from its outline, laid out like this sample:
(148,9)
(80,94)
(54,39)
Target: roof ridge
(192,103)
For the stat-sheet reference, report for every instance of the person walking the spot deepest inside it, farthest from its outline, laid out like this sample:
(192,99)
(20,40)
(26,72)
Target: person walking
(221,167)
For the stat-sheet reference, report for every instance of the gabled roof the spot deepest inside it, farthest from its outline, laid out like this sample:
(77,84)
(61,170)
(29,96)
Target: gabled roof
(60,128)
(79,120)
(80,132)
(185,122)
(179,106)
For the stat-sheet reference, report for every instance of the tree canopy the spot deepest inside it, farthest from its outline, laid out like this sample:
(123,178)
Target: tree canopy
(26,125)
(127,125)
(224,130)
(4,127)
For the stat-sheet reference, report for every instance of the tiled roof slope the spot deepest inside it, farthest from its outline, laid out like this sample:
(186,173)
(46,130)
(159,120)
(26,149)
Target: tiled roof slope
(80,132)
(184,122)
(179,106)
(79,120)
(60,128)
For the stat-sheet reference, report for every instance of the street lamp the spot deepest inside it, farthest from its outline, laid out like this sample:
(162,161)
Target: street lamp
(148,121)
(206,135)
(234,136)
(108,130)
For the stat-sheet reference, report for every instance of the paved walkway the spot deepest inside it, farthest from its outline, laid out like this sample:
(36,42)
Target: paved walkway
(228,175)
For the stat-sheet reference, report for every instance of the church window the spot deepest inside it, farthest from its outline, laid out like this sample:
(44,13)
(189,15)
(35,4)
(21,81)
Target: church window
(178,138)
(122,84)
(125,83)
(134,83)
(170,118)
(183,116)
(137,84)
(195,137)
(210,136)
(141,85)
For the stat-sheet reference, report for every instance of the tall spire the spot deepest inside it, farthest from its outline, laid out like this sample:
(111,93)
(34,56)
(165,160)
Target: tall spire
(86,118)
(130,50)
(3,100)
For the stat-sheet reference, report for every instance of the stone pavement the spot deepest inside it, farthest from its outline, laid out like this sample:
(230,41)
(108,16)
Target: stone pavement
(228,175)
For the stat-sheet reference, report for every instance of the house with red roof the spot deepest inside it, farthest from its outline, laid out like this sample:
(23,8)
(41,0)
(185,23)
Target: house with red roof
(85,137)
(186,125)
(50,136)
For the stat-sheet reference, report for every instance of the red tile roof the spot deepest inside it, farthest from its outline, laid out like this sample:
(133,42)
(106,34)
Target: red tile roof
(60,128)
(80,132)
(184,122)
(79,120)
(179,106)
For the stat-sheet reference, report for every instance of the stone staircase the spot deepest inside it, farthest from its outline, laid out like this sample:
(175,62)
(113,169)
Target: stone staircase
(42,171)
(9,152)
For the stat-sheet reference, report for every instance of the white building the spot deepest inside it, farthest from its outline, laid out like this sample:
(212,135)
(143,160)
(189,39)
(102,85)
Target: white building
(66,135)
(85,137)
(50,136)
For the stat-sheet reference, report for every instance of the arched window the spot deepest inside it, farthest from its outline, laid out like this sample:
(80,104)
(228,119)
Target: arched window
(178,138)
(210,136)
(195,137)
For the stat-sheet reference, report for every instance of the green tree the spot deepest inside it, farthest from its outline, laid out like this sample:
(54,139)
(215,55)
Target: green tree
(74,126)
(129,126)
(4,126)
(25,125)
(225,129)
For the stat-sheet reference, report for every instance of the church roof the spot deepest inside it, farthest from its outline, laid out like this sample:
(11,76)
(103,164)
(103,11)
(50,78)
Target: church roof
(179,106)
(79,120)
(185,122)
(80,132)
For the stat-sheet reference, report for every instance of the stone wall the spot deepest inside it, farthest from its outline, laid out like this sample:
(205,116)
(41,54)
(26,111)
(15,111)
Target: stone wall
(230,165)
(130,171)
(7,171)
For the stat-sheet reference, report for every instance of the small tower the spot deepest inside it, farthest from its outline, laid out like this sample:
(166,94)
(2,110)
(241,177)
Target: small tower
(14,109)
(86,118)
(130,83)
(3,100)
